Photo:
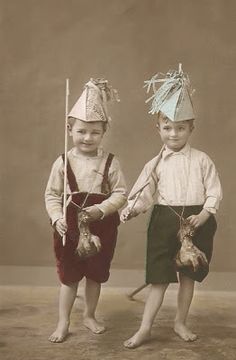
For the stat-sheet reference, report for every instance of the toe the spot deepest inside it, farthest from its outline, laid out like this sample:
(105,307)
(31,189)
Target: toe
(129,344)
(193,337)
(99,330)
(54,339)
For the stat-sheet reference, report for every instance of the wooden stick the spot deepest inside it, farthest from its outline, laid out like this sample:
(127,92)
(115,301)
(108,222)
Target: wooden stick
(65,162)
(137,194)
(140,189)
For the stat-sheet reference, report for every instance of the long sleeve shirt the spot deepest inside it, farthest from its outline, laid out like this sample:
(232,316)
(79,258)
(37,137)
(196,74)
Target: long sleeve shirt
(88,172)
(186,177)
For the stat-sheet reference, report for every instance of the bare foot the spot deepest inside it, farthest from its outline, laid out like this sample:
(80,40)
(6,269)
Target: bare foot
(93,325)
(138,339)
(185,333)
(60,334)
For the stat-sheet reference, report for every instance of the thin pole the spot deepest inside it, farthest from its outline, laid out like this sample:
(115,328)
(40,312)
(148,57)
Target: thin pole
(65,162)
(136,291)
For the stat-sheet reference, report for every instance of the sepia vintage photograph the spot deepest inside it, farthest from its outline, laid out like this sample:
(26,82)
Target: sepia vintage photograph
(118,180)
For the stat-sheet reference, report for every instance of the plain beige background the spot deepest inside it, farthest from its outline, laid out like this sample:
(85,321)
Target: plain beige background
(126,41)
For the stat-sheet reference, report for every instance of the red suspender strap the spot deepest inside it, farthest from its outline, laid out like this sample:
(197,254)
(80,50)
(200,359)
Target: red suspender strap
(70,176)
(105,187)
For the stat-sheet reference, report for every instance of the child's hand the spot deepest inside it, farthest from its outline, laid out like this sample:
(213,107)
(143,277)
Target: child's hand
(127,214)
(200,219)
(94,212)
(61,226)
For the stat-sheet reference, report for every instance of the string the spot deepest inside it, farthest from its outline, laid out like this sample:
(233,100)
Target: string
(91,189)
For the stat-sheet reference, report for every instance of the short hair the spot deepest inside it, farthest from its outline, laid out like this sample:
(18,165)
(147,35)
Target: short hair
(71,121)
(165,118)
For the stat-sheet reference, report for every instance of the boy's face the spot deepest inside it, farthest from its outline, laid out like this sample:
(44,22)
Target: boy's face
(87,136)
(174,134)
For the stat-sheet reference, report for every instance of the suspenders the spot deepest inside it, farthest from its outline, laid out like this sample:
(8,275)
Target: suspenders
(105,186)
(70,176)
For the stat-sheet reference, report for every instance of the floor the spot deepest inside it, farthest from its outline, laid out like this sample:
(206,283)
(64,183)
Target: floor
(28,315)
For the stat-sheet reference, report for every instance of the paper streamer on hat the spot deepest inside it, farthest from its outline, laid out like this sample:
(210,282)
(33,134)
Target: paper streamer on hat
(173,98)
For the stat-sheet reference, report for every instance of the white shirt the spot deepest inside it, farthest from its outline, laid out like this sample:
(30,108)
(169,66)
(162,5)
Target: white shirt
(183,178)
(88,172)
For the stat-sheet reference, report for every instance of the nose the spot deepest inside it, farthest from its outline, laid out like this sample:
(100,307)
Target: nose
(173,132)
(87,137)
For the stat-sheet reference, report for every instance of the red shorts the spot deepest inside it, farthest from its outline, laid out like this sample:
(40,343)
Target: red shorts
(70,267)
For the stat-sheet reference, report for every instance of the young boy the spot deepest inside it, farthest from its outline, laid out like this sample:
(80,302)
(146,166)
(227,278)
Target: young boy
(96,186)
(182,182)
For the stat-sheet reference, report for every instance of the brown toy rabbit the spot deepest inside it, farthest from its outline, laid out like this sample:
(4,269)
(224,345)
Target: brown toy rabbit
(89,244)
(189,254)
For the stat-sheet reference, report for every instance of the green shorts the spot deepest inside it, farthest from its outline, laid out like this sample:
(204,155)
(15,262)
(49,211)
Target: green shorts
(163,244)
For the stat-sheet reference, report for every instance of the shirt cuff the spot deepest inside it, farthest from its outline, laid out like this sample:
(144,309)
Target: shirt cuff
(111,205)
(212,203)
(54,218)
(103,213)
(137,207)
(210,210)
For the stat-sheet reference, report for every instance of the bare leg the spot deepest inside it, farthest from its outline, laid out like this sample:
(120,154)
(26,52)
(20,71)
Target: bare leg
(153,304)
(185,296)
(92,293)
(66,301)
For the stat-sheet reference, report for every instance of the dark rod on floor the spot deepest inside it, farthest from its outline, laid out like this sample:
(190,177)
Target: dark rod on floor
(131,295)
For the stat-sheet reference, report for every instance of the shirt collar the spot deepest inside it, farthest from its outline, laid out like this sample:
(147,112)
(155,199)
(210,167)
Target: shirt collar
(184,151)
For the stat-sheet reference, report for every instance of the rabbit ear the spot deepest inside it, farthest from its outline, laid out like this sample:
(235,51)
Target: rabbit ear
(95,239)
(203,259)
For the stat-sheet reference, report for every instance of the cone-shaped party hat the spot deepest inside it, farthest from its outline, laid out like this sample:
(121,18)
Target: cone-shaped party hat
(173,98)
(92,104)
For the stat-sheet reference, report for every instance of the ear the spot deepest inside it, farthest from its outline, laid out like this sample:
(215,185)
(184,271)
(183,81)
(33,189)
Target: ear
(158,127)
(69,128)
(192,128)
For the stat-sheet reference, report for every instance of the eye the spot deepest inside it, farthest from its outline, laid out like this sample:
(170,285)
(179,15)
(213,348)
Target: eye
(80,131)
